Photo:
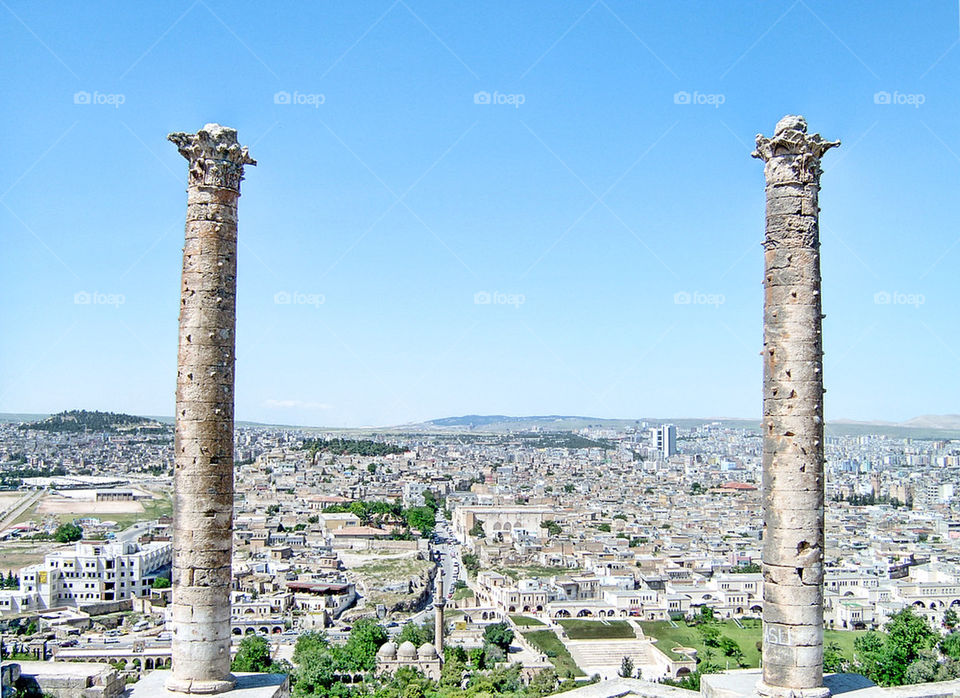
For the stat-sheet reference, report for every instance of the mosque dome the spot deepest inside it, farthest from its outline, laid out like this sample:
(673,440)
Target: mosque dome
(388,650)
(427,651)
(407,651)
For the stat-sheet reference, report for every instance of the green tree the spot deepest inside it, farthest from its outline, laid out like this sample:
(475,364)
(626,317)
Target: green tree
(253,655)
(470,561)
(553,528)
(360,650)
(626,668)
(160,583)
(498,634)
(417,634)
(371,468)
(833,659)
(421,518)
(67,533)
(710,634)
(477,530)
(950,619)
(884,660)
(950,645)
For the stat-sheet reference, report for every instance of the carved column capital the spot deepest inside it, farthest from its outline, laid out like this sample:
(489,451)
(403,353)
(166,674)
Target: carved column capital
(792,156)
(216,158)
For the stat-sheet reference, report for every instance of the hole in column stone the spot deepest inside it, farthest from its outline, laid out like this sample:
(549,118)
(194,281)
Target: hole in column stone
(800,573)
(787,372)
(802,547)
(788,433)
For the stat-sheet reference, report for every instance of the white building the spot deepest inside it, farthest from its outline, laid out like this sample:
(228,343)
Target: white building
(91,573)
(666,438)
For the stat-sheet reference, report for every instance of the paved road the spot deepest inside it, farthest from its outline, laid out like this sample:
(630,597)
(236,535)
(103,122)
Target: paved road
(25,503)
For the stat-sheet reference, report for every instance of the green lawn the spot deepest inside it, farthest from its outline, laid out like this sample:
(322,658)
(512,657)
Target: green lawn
(548,643)
(526,621)
(747,638)
(597,629)
(464,593)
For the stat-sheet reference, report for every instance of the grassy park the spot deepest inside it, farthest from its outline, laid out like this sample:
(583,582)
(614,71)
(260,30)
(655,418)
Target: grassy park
(548,643)
(597,629)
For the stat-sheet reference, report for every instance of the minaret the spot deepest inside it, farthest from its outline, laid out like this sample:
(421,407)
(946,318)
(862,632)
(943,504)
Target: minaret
(793,452)
(203,448)
(438,603)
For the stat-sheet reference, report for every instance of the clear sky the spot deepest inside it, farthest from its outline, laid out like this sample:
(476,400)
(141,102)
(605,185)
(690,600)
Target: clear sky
(577,164)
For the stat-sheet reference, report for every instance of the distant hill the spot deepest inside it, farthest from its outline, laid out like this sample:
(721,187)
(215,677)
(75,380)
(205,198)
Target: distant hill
(73,421)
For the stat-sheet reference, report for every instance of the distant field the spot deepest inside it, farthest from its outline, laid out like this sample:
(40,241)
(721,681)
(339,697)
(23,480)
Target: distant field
(526,621)
(597,629)
(125,515)
(13,556)
(548,643)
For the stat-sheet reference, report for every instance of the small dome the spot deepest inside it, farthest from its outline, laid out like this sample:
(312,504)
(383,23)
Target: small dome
(427,651)
(388,650)
(407,651)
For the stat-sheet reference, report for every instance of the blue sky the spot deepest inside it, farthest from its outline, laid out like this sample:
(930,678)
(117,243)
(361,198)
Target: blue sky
(609,172)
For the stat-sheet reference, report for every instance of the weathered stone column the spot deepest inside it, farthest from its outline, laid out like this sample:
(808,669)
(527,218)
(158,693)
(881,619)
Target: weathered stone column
(792,414)
(203,475)
(438,603)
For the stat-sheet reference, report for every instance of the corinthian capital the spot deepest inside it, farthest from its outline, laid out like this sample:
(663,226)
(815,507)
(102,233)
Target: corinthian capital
(216,158)
(792,155)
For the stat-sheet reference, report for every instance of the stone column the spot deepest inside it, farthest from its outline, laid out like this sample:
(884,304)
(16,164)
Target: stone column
(438,603)
(203,444)
(792,414)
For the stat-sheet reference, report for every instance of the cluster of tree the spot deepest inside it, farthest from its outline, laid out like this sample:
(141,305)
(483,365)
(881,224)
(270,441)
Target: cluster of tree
(909,652)
(162,583)
(351,447)
(13,477)
(553,528)
(67,533)
(471,562)
(254,655)
(869,500)
(379,513)
(73,421)
(563,440)
(696,489)
(11,581)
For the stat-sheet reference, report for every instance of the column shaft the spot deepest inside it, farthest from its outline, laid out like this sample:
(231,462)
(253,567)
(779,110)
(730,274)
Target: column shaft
(793,451)
(203,443)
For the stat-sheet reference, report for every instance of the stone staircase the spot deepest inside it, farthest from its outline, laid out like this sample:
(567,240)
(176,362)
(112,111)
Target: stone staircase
(604,656)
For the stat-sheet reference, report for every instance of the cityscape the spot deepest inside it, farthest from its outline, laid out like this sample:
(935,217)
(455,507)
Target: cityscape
(509,376)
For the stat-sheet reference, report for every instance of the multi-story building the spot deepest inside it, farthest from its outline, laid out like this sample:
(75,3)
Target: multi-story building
(89,574)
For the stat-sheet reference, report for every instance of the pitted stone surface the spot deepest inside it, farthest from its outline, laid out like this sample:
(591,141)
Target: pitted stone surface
(203,443)
(793,452)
